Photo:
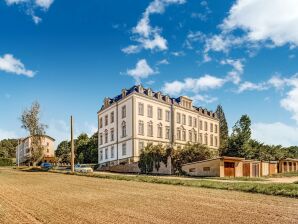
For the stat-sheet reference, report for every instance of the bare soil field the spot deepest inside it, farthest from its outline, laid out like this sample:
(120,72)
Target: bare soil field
(27,197)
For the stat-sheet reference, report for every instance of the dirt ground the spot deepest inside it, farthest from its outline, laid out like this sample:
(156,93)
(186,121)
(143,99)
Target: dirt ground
(57,198)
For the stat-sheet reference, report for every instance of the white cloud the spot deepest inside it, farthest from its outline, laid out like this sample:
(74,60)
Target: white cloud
(246,86)
(4,134)
(149,37)
(141,71)
(290,102)
(131,49)
(275,133)
(178,53)
(163,62)
(193,85)
(263,20)
(12,65)
(203,98)
(31,6)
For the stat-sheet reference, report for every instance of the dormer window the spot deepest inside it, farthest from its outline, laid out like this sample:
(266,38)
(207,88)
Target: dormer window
(149,92)
(140,89)
(124,91)
(158,95)
(106,102)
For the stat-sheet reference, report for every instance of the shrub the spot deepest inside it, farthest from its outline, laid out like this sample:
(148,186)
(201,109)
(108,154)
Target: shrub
(6,162)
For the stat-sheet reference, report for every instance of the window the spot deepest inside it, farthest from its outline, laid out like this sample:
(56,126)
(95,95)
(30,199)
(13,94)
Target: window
(183,135)
(178,134)
(190,136)
(195,122)
(123,129)
(216,141)
(100,122)
(141,128)
(178,118)
(167,132)
(192,170)
(201,125)
(141,109)
(200,138)
(106,120)
(106,136)
(183,119)
(48,144)
(189,121)
(123,112)
(195,136)
(100,139)
(150,111)
(123,149)
(211,140)
(150,129)
(159,131)
(48,150)
(215,128)
(112,117)
(206,169)
(100,155)
(112,152)
(206,139)
(159,114)
(206,126)
(167,115)
(211,127)
(141,146)
(106,153)
(112,134)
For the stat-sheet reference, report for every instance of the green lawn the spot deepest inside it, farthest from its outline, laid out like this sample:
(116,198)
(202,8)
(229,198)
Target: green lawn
(278,189)
(289,174)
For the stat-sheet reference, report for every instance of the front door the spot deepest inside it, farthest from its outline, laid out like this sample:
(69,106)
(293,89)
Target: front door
(229,169)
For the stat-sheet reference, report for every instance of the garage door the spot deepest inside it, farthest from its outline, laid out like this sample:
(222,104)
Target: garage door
(229,169)
(255,170)
(246,169)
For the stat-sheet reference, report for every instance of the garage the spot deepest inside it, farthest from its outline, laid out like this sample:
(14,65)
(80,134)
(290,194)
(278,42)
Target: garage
(229,169)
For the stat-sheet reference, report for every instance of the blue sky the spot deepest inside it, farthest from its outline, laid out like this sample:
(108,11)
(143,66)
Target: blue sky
(241,54)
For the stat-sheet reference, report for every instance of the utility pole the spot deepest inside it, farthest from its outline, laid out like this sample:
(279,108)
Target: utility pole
(72,144)
(18,150)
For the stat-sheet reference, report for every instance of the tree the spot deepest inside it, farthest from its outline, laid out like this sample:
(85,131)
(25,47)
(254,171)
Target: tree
(8,148)
(223,129)
(191,153)
(63,152)
(30,119)
(81,158)
(238,144)
(151,157)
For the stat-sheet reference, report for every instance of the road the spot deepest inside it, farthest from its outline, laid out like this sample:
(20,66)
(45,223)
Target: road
(57,198)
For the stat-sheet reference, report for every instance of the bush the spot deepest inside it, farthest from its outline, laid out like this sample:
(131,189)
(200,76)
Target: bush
(6,162)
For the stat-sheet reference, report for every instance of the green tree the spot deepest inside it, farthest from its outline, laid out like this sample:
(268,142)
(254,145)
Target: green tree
(81,158)
(81,147)
(30,119)
(63,152)
(238,144)
(191,153)
(223,130)
(8,148)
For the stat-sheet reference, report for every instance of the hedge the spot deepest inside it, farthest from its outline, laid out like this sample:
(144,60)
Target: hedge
(6,162)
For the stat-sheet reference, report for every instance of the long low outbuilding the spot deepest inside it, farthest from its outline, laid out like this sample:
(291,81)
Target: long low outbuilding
(239,167)
(218,167)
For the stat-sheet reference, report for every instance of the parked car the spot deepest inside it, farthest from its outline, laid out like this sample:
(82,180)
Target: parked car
(83,168)
(46,166)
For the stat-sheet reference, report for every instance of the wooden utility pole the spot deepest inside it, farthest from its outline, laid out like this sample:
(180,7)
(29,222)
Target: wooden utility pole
(72,145)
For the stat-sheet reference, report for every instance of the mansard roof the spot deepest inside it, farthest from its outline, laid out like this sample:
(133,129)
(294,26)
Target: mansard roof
(141,90)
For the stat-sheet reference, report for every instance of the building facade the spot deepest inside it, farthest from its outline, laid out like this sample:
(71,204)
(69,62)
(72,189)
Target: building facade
(138,117)
(23,150)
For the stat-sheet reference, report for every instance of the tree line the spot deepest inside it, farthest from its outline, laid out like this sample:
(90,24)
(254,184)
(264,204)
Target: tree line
(86,149)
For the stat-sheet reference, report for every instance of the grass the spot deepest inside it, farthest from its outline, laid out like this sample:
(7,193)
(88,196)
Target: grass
(289,174)
(238,178)
(277,189)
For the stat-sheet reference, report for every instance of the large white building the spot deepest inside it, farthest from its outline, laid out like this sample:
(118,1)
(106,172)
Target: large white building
(139,116)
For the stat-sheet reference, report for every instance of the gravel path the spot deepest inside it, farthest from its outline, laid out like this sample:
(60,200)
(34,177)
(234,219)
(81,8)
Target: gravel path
(55,198)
